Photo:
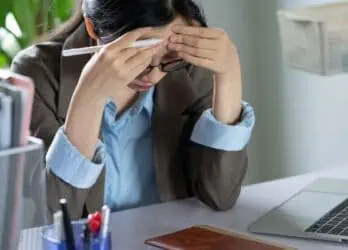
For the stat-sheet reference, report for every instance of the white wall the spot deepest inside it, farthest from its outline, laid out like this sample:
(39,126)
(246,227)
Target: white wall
(234,16)
(316,117)
(302,122)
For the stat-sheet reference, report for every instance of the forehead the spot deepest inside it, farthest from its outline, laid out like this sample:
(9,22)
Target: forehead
(166,31)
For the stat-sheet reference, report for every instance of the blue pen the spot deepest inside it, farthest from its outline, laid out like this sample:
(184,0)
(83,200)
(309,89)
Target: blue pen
(69,234)
(87,238)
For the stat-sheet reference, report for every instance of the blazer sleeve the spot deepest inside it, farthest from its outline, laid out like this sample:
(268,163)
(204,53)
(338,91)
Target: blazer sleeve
(215,176)
(45,125)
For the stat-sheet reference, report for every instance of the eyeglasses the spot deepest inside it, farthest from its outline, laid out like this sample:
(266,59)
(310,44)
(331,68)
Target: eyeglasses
(168,66)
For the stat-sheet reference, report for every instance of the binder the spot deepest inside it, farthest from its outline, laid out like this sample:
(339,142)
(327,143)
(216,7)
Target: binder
(21,90)
(22,173)
(18,97)
(6,121)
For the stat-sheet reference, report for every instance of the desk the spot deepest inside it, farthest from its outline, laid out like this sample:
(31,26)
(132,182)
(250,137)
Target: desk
(132,227)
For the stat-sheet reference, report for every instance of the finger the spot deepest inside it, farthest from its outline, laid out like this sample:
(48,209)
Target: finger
(127,39)
(200,62)
(193,41)
(128,72)
(138,69)
(120,62)
(107,59)
(127,53)
(197,52)
(141,57)
(203,32)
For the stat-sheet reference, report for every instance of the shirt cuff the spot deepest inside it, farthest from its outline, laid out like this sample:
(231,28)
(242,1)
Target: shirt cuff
(67,163)
(214,134)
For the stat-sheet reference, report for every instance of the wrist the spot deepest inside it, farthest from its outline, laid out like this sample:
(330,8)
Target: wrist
(228,90)
(227,104)
(228,79)
(124,99)
(82,124)
(88,97)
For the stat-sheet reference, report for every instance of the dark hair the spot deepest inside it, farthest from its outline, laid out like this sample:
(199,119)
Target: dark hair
(121,16)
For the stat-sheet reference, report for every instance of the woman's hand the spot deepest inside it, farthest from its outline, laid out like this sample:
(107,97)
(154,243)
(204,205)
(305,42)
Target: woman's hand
(212,49)
(109,72)
(106,75)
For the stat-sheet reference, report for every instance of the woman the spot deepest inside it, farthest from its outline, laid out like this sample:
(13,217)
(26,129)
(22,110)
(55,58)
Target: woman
(131,127)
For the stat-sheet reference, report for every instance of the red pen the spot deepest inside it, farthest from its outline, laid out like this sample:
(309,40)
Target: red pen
(94,222)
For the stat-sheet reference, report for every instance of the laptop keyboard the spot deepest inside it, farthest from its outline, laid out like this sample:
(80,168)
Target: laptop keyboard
(334,222)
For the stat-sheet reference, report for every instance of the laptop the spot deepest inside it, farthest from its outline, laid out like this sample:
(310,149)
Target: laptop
(319,211)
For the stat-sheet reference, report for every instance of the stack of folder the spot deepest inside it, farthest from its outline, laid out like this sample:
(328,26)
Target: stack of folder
(16,100)
(20,159)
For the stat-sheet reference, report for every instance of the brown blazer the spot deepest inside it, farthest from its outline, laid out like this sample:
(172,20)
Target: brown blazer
(183,168)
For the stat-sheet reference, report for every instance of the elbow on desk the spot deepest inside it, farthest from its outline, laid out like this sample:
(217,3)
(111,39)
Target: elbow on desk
(220,187)
(218,199)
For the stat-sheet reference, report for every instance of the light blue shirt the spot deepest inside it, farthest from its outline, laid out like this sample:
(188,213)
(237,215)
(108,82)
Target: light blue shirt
(126,152)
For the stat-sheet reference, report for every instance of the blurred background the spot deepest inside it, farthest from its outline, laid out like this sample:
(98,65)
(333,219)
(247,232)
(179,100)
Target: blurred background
(24,21)
(302,121)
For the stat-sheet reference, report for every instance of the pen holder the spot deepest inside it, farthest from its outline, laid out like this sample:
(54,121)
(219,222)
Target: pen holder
(50,242)
(22,191)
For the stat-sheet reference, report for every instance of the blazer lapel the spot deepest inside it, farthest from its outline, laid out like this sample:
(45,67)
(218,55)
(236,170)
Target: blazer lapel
(173,95)
(71,68)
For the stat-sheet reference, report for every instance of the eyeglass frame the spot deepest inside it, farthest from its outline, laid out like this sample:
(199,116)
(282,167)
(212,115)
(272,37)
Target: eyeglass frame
(161,66)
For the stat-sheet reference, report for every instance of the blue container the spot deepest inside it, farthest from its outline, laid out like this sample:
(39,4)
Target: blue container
(49,241)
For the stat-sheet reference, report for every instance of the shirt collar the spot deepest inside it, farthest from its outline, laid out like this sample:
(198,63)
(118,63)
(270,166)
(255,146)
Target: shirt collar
(145,102)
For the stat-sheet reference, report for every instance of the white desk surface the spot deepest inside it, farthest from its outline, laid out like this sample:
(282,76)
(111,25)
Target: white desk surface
(130,228)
